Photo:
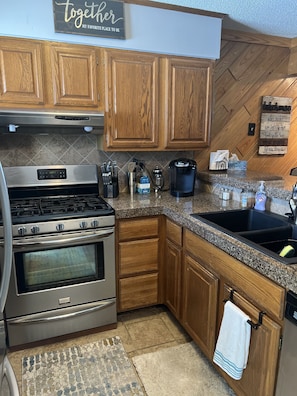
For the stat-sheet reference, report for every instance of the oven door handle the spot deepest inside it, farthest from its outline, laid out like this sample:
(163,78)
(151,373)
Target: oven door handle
(52,242)
(44,319)
(7,239)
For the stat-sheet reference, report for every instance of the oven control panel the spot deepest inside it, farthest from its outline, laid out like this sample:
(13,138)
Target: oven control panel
(61,226)
(46,174)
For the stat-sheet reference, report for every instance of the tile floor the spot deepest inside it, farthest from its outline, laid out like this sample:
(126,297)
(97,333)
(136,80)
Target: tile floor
(141,331)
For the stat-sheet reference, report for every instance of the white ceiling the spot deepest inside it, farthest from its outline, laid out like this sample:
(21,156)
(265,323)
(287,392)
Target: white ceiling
(272,17)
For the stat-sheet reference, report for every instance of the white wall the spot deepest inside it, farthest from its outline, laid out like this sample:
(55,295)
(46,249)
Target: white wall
(147,29)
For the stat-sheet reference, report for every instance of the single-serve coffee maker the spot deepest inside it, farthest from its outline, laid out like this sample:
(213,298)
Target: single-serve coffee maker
(182,177)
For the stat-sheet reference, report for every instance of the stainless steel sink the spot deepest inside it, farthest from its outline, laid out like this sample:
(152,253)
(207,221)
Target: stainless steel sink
(265,231)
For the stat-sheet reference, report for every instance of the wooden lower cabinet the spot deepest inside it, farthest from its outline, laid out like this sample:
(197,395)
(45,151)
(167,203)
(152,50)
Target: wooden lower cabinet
(260,374)
(200,304)
(138,257)
(194,278)
(209,271)
(173,267)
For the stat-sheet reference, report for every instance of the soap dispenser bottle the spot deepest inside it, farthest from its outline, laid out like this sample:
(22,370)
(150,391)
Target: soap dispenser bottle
(260,197)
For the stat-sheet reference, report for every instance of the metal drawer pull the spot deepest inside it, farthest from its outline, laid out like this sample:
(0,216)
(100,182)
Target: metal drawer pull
(250,322)
(63,316)
(51,242)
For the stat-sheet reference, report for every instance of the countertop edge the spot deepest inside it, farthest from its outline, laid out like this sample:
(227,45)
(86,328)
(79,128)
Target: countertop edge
(180,210)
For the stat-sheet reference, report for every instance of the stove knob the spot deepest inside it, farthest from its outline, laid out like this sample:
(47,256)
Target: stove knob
(22,231)
(35,229)
(95,223)
(60,227)
(83,224)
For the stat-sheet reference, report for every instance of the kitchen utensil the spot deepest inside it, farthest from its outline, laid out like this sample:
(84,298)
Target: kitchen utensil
(131,169)
(158,179)
(109,172)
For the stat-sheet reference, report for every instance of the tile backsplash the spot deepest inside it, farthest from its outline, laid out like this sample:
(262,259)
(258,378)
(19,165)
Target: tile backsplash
(57,149)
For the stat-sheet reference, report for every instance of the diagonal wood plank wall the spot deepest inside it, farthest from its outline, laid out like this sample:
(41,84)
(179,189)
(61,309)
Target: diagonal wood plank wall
(250,67)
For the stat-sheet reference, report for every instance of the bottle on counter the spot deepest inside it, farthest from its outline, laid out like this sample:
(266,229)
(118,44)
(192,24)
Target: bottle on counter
(260,197)
(144,186)
(226,194)
(244,199)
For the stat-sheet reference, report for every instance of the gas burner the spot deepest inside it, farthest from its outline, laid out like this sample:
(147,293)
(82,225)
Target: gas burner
(54,194)
(67,206)
(73,204)
(21,208)
(59,205)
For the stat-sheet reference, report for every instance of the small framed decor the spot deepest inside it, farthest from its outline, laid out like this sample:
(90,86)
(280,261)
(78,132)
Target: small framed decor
(275,125)
(87,17)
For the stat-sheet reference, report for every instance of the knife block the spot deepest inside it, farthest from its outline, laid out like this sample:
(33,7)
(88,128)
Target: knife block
(111,190)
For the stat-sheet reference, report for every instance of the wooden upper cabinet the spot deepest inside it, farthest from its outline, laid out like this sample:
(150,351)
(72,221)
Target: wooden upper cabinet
(187,87)
(131,95)
(21,73)
(157,102)
(73,76)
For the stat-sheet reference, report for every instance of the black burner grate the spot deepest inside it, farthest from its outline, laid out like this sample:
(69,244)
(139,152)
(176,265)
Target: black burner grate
(57,206)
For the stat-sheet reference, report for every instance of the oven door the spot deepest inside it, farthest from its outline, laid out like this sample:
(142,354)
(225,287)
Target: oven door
(58,271)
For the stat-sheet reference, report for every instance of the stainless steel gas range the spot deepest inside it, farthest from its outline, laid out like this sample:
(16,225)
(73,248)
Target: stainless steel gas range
(63,275)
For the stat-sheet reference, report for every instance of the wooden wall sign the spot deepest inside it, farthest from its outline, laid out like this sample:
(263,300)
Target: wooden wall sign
(91,18)
(275,125)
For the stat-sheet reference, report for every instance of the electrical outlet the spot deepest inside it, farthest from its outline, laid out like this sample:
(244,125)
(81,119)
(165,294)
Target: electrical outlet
(251,130)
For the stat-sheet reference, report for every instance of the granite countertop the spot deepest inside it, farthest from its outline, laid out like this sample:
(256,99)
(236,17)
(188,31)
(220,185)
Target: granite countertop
(276,186)
(180,210)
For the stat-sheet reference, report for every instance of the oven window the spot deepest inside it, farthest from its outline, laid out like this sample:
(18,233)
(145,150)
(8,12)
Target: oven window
(50,268)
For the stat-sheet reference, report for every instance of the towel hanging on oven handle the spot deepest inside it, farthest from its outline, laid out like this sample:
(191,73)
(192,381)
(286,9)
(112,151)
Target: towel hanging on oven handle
(250,322)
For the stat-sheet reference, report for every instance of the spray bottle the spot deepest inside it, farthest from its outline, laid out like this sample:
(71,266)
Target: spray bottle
(260,197)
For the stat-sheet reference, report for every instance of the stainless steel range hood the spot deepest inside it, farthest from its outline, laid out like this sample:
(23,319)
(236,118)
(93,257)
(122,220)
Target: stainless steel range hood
(42,122)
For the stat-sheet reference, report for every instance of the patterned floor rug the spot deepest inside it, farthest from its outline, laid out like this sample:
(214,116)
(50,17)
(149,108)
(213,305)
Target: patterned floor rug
(180,370)
(101,368)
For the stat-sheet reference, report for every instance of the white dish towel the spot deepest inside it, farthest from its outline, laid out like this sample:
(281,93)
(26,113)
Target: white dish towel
(232,348)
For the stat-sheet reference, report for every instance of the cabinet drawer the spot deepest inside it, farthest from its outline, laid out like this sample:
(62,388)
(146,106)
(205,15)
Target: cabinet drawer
(138,256)
(138,228)
(174,233)
(138,291)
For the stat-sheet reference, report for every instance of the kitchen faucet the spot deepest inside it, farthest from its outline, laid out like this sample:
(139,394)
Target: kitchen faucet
(293,203)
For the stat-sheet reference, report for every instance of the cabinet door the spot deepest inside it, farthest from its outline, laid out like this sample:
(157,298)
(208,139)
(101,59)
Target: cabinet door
(21,73)
(187,102)
(173,278)
(200,304)
(131,96)
(74,76)
(261,371)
